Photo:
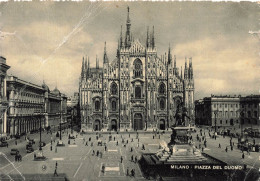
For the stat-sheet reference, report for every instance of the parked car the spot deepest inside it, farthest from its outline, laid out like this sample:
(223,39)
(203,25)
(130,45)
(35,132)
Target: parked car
(42,144)
(72,137)
(17,136)
(3,144)
(31,141)
(14,151)
(29,145)
(29,150)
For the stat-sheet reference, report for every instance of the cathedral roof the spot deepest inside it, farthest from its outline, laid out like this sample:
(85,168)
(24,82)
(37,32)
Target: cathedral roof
(56,91)
(45,87)
(136,47)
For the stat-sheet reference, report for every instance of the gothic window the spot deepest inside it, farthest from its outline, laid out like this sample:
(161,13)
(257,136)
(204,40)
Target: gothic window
(113,88)
(162,104)
(138,92)
(162,88)
(138,68)
(255,114)
(97,105)
(249,114)
(113,105)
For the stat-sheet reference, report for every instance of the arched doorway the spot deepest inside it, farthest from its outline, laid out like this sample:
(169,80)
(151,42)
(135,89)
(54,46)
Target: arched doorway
(138,122)
(162,124)
(97,125)
(231,122)
(114,125)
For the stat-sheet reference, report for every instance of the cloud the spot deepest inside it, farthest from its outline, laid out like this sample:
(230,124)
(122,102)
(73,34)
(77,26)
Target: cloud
(225,56)
(222,66)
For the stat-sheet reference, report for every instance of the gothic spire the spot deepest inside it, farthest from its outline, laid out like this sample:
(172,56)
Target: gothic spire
(190,69)
(121,38)
(128,34)
(153,43)
(148,38)
(105,59)
(82,67)
(169,55)
(174,61)
(128,18)
(181,72)
(97,65)
(185,69)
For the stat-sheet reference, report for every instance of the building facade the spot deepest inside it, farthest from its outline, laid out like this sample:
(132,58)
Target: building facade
(137,90)
(73,110)
(55,108)
(3,97)
(250,111)
(222,111)
(32,106)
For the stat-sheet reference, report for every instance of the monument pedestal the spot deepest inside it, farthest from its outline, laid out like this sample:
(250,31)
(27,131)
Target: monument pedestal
(180,159)
(60,143)
(40,157)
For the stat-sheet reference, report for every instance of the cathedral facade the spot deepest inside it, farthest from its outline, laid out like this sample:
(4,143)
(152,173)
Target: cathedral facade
(138,90)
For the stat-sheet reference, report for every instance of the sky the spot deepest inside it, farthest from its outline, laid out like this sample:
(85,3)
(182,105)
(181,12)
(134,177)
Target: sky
(51,38)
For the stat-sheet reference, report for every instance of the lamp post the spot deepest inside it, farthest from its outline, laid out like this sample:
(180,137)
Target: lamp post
(215,112)
(40,146)
(241,118)
(60,125)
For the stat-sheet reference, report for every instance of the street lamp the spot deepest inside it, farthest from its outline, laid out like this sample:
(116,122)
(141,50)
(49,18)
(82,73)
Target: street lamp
(60,143)
(215,112)
(241,118)
(40,156)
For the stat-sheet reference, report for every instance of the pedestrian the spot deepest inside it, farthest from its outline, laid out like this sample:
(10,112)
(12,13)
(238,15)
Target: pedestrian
(132,172)
(132,158)
(34,155)
(243,155)
(121,159)
(127,171)
(55,171)
(131,150)
(143,148)
(135,159)
(219,145)
(116,143)
(51,147)
(226,149)
(105,148)
(103,168)
(86,143)
(97,153)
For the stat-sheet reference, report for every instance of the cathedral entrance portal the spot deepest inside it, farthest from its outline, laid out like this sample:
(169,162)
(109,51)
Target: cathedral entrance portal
(97,125)
(162,124)
(138,121)
(114,125)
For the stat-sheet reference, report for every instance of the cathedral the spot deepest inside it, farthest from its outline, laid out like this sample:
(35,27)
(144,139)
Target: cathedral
(138,90)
